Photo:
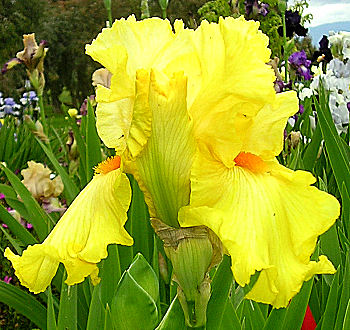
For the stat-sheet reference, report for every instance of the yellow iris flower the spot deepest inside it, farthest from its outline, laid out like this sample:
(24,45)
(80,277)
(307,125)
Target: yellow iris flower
(195,118)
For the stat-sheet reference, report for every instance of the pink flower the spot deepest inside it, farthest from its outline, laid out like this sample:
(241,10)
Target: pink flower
(7,279)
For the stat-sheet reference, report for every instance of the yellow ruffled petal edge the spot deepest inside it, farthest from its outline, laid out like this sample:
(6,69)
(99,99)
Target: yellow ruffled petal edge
(126,123)
(35,268)
(264,137)
(80,239)
(268,222)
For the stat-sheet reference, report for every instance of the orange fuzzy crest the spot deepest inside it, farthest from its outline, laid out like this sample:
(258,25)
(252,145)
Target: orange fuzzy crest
(251,162)
(110,164)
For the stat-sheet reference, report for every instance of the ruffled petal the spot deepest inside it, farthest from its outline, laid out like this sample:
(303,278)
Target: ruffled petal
(265,134)
(268,222)
(140,40)
(238,76)
(95,219)
(163,167)
(126,123)
(80,238)
(36,267)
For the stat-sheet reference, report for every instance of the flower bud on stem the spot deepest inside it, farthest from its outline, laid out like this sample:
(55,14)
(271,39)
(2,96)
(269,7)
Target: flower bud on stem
(193,251)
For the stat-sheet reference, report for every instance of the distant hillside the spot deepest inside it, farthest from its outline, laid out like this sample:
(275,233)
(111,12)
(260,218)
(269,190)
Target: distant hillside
(317,32)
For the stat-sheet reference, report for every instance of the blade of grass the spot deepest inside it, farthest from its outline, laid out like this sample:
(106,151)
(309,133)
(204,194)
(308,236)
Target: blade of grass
(335,148)
(67,317)
(70,189)
(51,317)
(297,308)
(16,228)
(221,285)
(40,220)
(332,304)
(93,143)
(23,303)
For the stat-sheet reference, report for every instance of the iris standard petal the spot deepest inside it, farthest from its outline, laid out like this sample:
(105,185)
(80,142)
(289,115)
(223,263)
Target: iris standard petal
(238,75)
(126,123)
(268,221)
(163,167)
(80,238)
(140,40)
(264,137)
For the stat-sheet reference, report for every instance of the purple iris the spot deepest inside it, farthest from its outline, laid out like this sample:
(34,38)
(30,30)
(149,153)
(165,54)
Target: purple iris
(293,20)
(10,107)
(299,61)
(280,86)
(301,109)
(255,7)
(299,58)
(323,51)
(28,98)
(9,101)
(300,112)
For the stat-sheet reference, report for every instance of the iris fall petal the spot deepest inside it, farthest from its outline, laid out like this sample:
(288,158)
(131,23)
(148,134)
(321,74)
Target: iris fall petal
(268,222)
(80,238)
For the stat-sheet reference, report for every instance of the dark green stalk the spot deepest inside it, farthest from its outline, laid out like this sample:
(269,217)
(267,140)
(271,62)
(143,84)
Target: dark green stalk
(164,13)
(285,55)
(42,114)
(108,5)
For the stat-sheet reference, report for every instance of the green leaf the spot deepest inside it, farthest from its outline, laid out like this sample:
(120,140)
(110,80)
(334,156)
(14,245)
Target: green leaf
(230,319)
(16,228)
(13,242)
(81,145)
(62,145)
(23,303)
(332,304)
(174,317)
(275,319)
(297,308)
(96,311)
(67,317)
(221,286)
(140,228)
(330,245)
(8,191)
(145,276)
(93,143)
(345,214)
(345,294)
(41,222)
(51,317)
(311,151)
(19,207)
(338,156)
(346,323)
(110,275)
(136,297)
(108,319)
(70,189)
(254,314)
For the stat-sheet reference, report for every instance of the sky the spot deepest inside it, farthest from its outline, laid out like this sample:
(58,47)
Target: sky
(328,11)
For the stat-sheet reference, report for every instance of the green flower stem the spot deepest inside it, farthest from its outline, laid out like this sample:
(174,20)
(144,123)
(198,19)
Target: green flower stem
(108,5)
(164,13)
(42,113)
(285,57)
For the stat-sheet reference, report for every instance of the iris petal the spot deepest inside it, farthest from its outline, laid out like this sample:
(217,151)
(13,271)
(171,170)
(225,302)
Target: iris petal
(267,221)
(80,238)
